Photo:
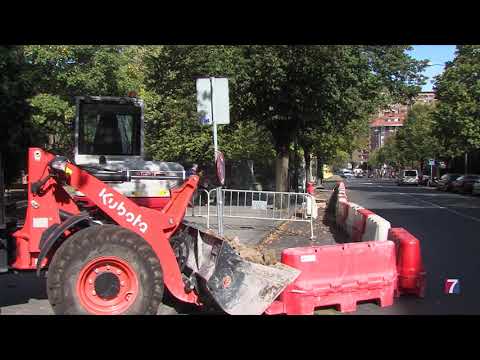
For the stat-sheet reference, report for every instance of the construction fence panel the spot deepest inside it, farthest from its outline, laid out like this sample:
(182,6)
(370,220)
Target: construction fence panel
(265,205)
(200,205)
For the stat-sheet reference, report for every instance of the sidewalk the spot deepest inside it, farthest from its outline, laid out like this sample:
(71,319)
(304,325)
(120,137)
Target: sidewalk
(295,234)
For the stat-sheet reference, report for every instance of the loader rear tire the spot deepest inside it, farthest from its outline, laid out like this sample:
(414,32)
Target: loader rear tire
(105,270)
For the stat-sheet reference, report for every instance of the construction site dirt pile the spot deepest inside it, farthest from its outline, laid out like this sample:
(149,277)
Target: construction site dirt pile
(255,254)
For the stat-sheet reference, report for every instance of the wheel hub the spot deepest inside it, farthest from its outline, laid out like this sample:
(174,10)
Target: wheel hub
(107,285)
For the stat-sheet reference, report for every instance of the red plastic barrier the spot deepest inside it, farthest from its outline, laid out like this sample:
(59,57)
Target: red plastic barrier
(359,224)
(338,275)
(411,273)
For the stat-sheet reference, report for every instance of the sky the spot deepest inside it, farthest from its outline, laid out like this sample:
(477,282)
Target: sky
(437,54)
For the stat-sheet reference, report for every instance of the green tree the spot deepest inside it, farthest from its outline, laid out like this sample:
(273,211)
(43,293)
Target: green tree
(416,141)
(59,73)
(458,92)
(308,91)
(15,89)
(173,130)
(388,154)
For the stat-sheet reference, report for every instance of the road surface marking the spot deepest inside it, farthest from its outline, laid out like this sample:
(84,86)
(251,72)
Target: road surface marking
(445,208)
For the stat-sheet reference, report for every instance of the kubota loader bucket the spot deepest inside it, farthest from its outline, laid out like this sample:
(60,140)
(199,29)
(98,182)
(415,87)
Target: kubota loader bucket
(238,286)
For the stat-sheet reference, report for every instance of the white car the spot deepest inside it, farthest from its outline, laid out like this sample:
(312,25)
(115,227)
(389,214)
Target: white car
(358,173)
(408,177)
(347,173)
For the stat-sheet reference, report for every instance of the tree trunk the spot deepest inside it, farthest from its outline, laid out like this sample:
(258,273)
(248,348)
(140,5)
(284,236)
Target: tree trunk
(252,173)
(466,163)
(308,173)
(320,169)
(296,164)
(281,169)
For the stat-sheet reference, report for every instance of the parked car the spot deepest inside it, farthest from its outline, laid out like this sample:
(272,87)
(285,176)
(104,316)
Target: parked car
(445,181)
(346,173)
(476,187)
(358,173)
(408,177)
(464,184)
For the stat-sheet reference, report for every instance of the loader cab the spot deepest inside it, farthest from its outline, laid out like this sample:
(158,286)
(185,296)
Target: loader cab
(108,128)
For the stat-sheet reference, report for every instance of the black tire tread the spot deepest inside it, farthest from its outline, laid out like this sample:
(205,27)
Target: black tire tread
(99,238)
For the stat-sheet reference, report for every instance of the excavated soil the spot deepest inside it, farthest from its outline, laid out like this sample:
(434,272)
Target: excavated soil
(255,254)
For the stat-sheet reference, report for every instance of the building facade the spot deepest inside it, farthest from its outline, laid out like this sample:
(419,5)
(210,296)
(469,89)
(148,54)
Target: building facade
(387,122)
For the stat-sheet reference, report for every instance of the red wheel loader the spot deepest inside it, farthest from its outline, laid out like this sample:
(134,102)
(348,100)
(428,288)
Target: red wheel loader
(119,259)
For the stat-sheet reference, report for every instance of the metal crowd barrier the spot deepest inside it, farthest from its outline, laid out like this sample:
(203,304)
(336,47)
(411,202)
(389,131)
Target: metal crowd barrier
(200,205)
(258,205)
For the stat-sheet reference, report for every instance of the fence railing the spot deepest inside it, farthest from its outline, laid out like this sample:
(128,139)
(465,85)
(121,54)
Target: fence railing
(258,205)
(200,205)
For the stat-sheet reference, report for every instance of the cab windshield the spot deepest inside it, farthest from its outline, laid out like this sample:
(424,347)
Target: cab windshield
(109,129)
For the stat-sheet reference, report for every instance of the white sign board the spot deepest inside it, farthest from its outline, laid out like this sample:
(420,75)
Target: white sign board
(213,101)
(431,162)
(204,101)
(259,205)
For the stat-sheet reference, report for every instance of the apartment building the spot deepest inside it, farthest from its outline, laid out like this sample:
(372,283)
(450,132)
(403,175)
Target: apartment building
(386,123)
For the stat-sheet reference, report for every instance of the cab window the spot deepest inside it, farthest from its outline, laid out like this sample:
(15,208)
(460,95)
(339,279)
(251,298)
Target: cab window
(109,130)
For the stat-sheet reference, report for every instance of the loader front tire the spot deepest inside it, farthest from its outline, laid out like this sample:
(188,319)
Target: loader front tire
(105,270)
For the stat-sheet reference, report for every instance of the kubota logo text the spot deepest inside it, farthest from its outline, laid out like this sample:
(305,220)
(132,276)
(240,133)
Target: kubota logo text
(108,200)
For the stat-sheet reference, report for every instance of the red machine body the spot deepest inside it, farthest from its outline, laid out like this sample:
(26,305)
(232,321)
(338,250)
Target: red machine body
(157,203)
(155,226)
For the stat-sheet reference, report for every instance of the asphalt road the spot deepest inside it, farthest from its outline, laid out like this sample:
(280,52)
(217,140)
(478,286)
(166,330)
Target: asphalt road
(448,227)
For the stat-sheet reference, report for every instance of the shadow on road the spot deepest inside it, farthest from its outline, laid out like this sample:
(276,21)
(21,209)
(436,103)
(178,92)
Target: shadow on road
(20,288)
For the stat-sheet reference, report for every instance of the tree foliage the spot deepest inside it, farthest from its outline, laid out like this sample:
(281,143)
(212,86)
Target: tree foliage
(458,92)
(15,88)
(416,140)
(59,73)
(318,96)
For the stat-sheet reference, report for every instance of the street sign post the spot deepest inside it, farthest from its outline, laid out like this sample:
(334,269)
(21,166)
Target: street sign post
(431,162)
(213,108)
